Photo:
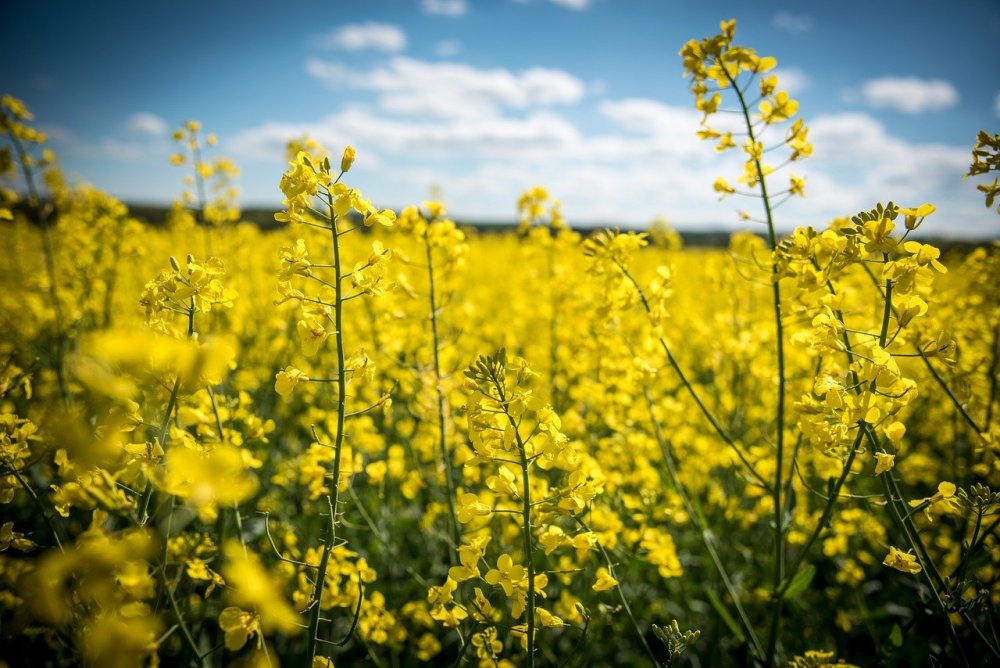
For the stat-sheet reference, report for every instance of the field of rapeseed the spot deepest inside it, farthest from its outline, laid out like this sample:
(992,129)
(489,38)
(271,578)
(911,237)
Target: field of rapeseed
(375,437)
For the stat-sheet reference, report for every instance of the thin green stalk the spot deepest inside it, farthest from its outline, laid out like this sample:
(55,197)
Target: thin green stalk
(703,530)
(333,498)
(147,495)
(726,438)
(49,255)
(446,459)
(779,529)
(937,377)
(185,631)
(901,521)
(526,510)
(994,374)
(974,545)
(111,277)
(827,510)
(38,504)
(553,329)
(621,597)
(779,524)
(200,187)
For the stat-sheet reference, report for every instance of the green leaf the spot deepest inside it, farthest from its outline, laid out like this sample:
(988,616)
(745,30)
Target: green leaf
(896,637)
(800,582)
(734,628)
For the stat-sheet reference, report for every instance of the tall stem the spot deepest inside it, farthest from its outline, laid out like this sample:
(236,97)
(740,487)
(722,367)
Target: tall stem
(703,530)
(690,388)
(333,499)
(780,340)
(526,527)
(779,520)
(442,433)
(50,265)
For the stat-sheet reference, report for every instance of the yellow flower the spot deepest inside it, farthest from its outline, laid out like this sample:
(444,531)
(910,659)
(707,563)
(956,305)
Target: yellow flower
(238,627)
(722,187)
(470,506)
(883,462)
(507,574)
(797,185)
(207,480)
(778,108)
(902,561)
(286,380)
(547,619)
(604,580)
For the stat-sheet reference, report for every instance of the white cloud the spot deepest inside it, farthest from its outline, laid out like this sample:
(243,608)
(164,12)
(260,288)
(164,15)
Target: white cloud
(472,136)
(793,23)
(792,79)
(447,48)
(910,95)
(145,123)
(647,162)
(65,140)
(445,7)
(408,86)
(365,36)
(858,163)
(646,116)
(572,4)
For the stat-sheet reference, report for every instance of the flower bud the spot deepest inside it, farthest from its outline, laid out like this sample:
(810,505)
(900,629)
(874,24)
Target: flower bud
(348,159)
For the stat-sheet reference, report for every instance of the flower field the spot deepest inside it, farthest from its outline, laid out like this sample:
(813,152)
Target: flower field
(377,437)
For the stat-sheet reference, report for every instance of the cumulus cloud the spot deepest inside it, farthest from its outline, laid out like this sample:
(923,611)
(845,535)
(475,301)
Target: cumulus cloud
(106,148)
(859,162)
(365,36)
(649,163)
(447,48)
(445,7)
(651,117)
(646,162)
(145,123)
(415,87)
(793,23)
(911,95)
(478,137)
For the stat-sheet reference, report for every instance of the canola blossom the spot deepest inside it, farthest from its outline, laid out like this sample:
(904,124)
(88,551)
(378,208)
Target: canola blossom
(359,437)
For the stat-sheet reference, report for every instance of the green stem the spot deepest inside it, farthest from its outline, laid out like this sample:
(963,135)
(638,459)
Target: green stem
(50,265)
(333,498)
(937,377)
(38,504)
(727,439)
(703,530)
(779,524)
(909,532)
(621,597)
(526,510)
(185,631)
(974,545)
(827,509)
(445,452)
(147,495)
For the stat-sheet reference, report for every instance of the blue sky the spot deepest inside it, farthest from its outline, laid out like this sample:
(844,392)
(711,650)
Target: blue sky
(484,98)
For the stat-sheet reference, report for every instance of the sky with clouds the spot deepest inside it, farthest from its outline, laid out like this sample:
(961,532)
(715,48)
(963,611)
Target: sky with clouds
(480,99)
